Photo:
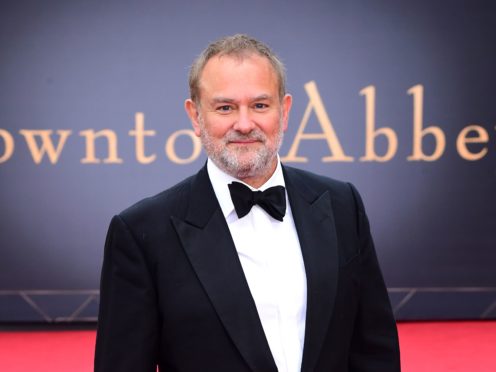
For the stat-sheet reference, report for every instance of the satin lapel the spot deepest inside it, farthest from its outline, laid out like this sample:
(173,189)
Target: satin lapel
(208,244)
(314,220)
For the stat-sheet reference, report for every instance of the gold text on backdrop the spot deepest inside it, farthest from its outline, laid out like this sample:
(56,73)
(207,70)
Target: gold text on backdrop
(471,141)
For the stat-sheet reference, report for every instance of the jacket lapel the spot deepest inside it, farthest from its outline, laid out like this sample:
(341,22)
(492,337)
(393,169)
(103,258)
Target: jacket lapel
(314,220)
(208,244)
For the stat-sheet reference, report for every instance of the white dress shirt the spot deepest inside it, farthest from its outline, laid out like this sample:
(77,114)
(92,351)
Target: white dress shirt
(270,254)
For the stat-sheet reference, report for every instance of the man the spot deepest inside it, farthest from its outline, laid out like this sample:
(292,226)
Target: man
(282,278)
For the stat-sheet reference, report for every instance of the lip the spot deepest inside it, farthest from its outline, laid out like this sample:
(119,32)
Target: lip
(249,142)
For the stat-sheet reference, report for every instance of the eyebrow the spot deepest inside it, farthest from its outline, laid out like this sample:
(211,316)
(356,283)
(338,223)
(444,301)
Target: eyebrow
(261,97)
(222,100)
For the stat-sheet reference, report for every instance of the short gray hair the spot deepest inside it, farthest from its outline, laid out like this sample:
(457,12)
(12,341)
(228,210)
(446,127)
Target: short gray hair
(240,46)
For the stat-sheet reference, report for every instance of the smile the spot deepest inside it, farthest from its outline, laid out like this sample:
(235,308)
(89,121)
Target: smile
(246,142)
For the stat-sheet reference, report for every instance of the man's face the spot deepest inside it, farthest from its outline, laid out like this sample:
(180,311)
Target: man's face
(240,119)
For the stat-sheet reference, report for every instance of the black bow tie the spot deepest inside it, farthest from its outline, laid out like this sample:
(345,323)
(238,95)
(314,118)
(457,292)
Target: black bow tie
(272,200)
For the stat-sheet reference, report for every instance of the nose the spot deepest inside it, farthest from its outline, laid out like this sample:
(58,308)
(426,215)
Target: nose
(244,122)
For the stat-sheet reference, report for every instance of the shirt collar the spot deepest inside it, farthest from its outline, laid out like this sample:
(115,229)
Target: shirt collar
(220,180)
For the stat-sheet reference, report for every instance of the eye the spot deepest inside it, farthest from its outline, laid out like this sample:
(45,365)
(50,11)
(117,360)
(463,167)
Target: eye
(224,109)
(261,106)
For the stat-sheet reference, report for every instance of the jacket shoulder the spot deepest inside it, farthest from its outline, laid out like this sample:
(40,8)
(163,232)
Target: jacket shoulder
(318,183)
(344,196)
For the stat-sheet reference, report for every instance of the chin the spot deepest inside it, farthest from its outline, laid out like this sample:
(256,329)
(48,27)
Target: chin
(253,167)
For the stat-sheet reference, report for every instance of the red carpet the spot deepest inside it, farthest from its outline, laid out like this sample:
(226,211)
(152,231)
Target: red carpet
(425,347)
(47,351)
(448,346)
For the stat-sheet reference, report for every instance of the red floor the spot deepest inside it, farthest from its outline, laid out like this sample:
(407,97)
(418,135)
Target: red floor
(425,347)
(448,346)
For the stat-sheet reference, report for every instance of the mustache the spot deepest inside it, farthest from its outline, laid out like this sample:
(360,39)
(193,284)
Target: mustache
(255,135)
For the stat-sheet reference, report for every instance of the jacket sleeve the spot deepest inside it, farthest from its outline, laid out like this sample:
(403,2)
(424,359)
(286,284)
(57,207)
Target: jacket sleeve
(128,326)
(374,346)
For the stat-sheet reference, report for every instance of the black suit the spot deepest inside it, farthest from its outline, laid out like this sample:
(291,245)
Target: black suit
(173,290)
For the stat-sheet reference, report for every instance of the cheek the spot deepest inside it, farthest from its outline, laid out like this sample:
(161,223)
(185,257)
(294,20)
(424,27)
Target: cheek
(217,128)
(272,128)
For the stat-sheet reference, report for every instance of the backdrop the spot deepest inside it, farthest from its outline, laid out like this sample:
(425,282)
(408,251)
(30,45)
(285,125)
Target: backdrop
(394,96)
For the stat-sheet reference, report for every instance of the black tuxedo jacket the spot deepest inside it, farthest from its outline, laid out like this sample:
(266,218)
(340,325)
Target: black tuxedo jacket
(173,292)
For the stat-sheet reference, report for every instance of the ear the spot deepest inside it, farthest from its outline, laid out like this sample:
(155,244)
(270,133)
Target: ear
(287,101)
(193,113)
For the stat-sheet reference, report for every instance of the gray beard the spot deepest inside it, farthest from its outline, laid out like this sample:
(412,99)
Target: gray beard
(229,160)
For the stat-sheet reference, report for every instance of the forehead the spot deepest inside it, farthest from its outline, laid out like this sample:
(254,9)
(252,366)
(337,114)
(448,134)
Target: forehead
(236,75)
